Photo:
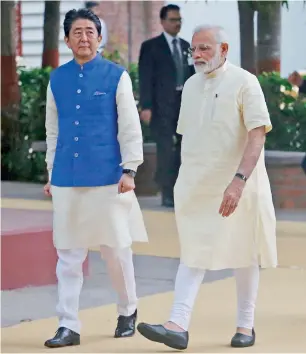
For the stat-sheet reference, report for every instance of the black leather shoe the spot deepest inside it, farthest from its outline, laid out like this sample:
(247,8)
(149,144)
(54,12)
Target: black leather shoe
(126,326)
(242,340)
(160,334)
(64,337)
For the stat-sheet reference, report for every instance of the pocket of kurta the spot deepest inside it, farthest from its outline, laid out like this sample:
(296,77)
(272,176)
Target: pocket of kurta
(222,107)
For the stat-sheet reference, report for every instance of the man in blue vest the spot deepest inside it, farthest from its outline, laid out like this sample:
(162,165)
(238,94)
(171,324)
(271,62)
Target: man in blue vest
(94,146)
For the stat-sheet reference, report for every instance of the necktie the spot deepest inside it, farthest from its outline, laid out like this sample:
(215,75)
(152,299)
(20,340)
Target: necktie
(178,64)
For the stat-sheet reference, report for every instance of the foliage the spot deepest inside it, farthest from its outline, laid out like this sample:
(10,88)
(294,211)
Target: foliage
(19,161)
(287,111)
(132,68)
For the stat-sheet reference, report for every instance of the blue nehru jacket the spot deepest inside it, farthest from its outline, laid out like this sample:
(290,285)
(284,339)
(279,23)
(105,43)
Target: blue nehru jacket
(87,152)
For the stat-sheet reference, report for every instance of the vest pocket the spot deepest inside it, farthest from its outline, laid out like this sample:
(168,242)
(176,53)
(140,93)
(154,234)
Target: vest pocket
(99,102)
(99,96)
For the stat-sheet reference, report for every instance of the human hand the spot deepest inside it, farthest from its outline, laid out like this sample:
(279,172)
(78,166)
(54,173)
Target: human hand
(126,184)
(146,116)
(47,189)
(295,79)
(231,197)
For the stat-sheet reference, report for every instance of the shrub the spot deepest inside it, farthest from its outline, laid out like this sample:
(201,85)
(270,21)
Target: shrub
(19,162)
(287,111)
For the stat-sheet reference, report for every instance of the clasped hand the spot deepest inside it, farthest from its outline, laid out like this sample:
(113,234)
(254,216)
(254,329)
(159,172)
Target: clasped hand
(126,184)
(231,197)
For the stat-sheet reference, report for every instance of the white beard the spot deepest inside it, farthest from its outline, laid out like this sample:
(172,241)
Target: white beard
(209,67)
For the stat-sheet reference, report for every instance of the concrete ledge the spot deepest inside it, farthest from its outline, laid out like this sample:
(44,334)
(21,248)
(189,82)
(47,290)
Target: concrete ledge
(284,158)
(287,179)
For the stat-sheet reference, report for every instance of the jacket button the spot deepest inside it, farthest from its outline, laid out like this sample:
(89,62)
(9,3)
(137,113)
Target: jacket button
(80,75)
(76,138)
(78,91)
(77,106)
(76,122)
(76,154)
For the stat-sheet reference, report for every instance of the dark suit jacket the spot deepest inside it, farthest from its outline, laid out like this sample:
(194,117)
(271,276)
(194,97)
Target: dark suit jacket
(157,81)
(302,88)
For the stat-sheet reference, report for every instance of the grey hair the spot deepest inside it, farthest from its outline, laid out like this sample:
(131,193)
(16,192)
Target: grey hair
(220,35)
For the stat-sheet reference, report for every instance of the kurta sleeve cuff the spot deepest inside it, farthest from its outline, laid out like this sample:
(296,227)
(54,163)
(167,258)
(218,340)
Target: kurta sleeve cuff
(132,165)
(50,174)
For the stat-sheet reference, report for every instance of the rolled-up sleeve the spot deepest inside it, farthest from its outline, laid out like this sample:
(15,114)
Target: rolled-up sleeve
(129,128)
(254,107)
(51,125)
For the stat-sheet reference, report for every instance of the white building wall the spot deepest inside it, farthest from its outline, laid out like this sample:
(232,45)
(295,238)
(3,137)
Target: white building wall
(225,13)
(32,31)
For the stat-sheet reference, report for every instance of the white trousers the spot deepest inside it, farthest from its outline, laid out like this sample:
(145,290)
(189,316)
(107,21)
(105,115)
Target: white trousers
(119,263)
(188,282)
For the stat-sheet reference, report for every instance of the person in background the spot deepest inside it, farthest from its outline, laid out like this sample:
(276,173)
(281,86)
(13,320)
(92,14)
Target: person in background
(94,147)
(296,79)
(94,7)
(164,67)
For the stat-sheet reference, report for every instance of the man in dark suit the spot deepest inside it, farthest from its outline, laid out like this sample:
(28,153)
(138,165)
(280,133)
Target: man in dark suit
(164,67)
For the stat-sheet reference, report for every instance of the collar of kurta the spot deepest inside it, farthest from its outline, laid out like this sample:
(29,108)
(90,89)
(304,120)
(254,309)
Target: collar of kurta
(217,72)
(90,64)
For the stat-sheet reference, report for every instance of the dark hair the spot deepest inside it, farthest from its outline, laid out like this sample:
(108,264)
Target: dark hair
(91,4)
(85,14)
(164,10)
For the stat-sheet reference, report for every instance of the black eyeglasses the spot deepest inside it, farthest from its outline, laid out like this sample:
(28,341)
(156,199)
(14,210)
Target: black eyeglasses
(173,20)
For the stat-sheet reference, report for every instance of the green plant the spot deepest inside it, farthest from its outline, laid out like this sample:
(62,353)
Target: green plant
(287,112)
(132,68)
(19,161)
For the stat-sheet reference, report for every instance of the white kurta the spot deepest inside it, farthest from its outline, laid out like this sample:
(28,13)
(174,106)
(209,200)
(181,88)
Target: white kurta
(216,114)
(88,217)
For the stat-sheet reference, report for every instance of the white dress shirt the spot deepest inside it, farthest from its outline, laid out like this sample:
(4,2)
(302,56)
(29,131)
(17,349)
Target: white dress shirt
(169,40)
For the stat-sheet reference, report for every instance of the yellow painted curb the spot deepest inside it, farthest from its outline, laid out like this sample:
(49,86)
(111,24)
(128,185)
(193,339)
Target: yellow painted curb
(280,321)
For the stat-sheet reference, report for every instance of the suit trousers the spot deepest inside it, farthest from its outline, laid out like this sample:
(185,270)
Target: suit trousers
(188,282)
(119,263)
(168,144)
(168,162)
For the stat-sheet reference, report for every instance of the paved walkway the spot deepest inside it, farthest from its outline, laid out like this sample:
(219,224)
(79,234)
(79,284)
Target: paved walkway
(28,315)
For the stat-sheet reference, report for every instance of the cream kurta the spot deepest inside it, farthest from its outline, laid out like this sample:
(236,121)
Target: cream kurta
(87,217)
(216,114)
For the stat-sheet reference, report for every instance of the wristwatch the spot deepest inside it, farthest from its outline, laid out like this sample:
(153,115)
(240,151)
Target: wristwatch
(241,176)
(129,172)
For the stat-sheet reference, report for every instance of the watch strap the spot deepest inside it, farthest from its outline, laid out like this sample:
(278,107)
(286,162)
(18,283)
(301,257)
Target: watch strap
(129,172)
(241,176)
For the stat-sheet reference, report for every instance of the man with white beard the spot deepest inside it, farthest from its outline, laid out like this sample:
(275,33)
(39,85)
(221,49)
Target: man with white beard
(223,202)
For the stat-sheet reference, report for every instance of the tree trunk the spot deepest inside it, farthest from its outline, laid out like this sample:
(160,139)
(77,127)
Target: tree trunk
(51,34)
(247,44)
(129,5)
(9,79)
(10,96)
(269,36)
